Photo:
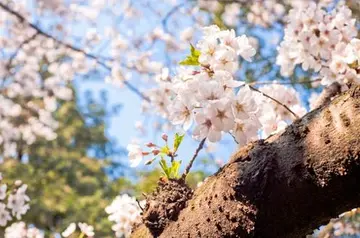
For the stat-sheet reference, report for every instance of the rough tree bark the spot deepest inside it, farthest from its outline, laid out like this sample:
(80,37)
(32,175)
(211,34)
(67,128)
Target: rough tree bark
(285,186)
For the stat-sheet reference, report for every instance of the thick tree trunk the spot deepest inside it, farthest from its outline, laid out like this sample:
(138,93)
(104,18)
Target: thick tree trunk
(285,186)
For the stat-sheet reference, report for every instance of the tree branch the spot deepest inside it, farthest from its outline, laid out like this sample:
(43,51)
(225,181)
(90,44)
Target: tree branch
(275,100)
(285,186)
(13,56)
(69,46)
(187,170)
(284,83)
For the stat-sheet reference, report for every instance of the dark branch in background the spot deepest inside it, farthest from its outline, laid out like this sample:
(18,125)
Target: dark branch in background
(69,46)
(233,138)
(170,13)
(13,56)
(138,202)
(187,170)
(275,100)
(285,83)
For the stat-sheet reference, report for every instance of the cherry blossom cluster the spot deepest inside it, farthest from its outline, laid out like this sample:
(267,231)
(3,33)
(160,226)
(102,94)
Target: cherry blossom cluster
(36,69)
(14,202)
(265,13)
(305,3)
(321,41)
(273,116)
(76,10)
(346,225)
(21,230)
(49,65)
(341,228)
(260,12)
(32,82)
(209,95)
(287,96)
(124,211)
(85,230)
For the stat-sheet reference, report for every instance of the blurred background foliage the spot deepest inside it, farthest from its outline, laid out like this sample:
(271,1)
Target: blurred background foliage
(69,178)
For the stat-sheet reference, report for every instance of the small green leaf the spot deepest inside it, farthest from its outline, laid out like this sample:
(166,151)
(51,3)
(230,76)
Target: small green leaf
(193,58)
(165,150)
(177,141)
(194,52)
(175,166)
(150,161)
(165,168)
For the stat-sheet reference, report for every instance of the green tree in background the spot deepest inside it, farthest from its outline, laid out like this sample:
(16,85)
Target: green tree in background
(65,183)
(68,185)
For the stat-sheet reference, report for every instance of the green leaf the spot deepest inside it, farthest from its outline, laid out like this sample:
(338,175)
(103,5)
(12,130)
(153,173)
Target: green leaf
(193,58)
(165,168)
(175,166)
(177,141)
(170,172)
(165,150)
(150,161)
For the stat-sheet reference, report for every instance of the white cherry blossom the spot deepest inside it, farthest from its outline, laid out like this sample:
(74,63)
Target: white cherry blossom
(135,154)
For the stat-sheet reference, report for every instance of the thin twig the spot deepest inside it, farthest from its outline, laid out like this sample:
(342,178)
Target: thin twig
(172,158)
(138,202)
(170,13)
(209,154)
(187,170)
(284,83)
(69,46)
(13,56)
(234,138)
(275,100)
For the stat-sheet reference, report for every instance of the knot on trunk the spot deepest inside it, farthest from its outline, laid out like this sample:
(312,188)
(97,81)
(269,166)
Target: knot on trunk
(165,204)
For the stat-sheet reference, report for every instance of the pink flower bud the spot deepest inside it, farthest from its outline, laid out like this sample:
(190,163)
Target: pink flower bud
(18,183)
(156,152)
(150,144)
(144,153)
(164,137)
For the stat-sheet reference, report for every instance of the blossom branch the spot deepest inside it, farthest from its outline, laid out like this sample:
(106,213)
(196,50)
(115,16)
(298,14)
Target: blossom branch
(170,13)
(209,154)
(69,46)
(285,83)
(13,56)
(198,149)
(275,100)
(138,203)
